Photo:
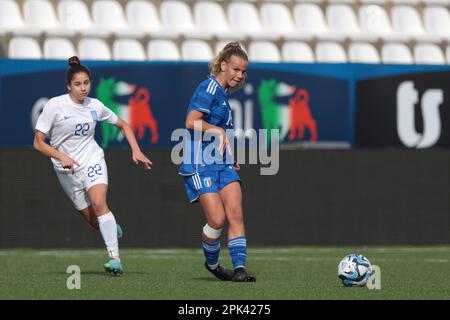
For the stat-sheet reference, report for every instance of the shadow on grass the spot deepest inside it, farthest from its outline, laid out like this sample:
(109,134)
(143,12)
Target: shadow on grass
(208,279)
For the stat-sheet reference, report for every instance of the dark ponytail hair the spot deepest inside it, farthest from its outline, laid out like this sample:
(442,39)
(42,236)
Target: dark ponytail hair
(75,67)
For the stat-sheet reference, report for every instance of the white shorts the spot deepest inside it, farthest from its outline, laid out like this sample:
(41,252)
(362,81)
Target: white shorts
(76,185)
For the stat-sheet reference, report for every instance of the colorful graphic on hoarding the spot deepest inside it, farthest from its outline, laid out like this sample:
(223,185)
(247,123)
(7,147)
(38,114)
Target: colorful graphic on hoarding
(153,99)
(293,118)
(137,112)
(141,115)
(301,117)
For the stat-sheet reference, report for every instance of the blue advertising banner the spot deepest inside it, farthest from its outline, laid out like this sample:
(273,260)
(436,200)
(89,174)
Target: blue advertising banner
(309,107)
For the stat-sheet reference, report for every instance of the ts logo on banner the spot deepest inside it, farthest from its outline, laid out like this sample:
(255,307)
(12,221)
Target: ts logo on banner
(407,98)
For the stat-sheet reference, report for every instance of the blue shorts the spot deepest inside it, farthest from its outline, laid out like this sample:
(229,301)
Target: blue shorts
(206,181)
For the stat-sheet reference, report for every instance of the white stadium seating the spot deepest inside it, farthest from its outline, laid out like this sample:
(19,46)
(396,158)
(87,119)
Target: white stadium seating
(396,53)
(94,49)
(162,49)
(363,53)
(303,31)
(58,48)
(196,50)
(24,48)
(10,17)
(128,49)
(297,51)
(330,52)
(428,54)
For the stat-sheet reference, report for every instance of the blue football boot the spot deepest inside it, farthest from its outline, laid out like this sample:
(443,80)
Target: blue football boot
(119,232)
(114,267)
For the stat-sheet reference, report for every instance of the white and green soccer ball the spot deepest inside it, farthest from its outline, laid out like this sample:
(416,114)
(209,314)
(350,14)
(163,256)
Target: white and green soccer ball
(354,270)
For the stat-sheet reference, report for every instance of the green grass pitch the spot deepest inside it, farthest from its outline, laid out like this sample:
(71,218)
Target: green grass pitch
(289,273)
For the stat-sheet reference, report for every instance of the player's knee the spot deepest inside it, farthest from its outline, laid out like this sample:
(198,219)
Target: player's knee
(212,233)
(99,207)
(235,216)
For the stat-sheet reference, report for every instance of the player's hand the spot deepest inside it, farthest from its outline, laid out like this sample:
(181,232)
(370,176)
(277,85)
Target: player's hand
(237,167)
(138,156)
(68,163)
(224,143)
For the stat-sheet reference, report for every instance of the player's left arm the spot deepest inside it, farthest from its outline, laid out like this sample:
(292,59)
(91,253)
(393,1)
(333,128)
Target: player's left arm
(137,154)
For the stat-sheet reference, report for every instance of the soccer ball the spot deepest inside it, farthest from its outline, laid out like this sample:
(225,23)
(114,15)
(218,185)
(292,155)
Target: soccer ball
(354,270)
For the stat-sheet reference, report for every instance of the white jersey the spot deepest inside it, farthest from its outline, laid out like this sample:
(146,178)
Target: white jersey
(71,128)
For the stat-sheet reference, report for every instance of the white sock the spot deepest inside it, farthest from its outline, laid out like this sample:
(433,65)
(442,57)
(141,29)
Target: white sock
(108,229)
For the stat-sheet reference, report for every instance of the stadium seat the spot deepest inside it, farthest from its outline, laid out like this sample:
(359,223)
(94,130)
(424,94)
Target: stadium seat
(277,18)
(128,49)
(210,18)
(437,21)
(109,17)
(196,50)
(93,49)
(342,20)
(176,17)
(10,16)
(363,53)
(74,15)
(406,20)
(58,48)
(375,20)
(396,53)
(142,16)
(243,18)
(296,51)
(425,53)
(40,17)
(263,51)
(330,52)
(24,48)
(161,49)
(310,20)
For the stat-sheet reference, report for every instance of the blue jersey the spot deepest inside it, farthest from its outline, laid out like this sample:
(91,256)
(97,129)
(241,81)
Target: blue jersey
(212,100)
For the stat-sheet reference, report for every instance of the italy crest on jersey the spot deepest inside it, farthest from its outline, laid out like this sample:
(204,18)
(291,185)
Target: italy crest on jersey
(207,182)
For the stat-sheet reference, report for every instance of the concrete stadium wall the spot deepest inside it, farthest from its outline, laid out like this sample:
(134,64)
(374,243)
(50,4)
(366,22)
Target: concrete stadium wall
(364,197)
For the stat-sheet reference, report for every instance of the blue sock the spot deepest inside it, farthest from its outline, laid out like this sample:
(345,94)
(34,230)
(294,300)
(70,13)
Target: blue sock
(238,251)
(211,251)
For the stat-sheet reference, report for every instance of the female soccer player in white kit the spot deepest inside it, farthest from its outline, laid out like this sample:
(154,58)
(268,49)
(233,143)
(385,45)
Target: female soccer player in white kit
(69,122)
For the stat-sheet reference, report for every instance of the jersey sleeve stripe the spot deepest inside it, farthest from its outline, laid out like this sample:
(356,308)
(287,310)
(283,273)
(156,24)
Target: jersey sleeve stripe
(209,86)
(205,110)
(214,90)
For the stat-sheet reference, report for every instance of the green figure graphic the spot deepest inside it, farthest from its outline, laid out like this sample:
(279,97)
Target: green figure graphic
(107,89)
(274,115)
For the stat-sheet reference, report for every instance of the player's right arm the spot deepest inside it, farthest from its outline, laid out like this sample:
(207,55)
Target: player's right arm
(40,145)
(200,105)
(195,121)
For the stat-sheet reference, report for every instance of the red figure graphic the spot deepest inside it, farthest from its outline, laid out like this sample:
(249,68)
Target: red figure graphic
(141,116)
(301,116)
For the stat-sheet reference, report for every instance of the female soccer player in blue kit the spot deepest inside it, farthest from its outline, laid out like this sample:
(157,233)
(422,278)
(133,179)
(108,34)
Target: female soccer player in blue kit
(216,184)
